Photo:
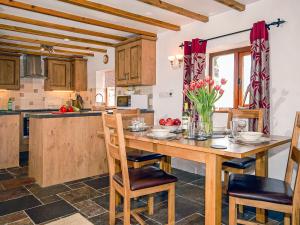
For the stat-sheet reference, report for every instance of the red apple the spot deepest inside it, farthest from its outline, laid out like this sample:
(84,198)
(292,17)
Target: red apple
(177,122)
(63,109)
(162,122)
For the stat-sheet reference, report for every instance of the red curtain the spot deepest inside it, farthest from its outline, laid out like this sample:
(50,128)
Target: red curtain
(260,72)
(194,61)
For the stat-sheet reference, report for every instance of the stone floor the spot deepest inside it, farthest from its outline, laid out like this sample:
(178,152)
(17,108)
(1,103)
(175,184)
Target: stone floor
(22,202)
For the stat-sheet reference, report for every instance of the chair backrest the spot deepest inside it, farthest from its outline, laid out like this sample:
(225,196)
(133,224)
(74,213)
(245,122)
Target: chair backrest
(247,114)
(115,146)
(128,115)
(294,158)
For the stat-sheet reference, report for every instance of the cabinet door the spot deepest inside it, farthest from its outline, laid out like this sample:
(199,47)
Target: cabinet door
(135,64)
(121,67)
(79,75)
(59,75)
(9,72)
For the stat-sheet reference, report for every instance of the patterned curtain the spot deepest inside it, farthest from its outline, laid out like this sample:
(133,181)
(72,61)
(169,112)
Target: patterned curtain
(194,62)
(260,73)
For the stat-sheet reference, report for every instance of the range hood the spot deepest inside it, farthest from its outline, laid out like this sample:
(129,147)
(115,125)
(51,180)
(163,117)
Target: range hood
(33,66)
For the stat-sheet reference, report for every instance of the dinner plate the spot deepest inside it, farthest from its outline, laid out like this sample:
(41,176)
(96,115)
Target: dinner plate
(169,136)
(132,128)
(258,141)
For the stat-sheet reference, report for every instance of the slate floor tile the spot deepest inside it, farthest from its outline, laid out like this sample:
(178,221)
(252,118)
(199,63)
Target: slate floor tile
(18,171)
(191,192)
(50,211)
(184,208)
(47,191)
(16,182)
(18,204)
(13,217)
(13,193)
(193,219)
(6,176)
(98,183)
(50,199)
(76,185)
(79,194)
(185,176)
(89,208)
(25,221)
(103,219)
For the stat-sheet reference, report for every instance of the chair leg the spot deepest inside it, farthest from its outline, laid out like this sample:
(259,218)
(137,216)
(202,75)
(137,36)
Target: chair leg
(296,216)
(112,206)
(241,209)
(232,211)
(151,205)
(226,180)
(126,210)
(171,205)
(287,219)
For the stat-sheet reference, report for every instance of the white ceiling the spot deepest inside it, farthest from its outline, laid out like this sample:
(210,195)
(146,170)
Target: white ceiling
(205,7)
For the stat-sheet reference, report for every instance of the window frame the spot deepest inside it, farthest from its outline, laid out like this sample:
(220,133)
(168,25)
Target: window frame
(239,53)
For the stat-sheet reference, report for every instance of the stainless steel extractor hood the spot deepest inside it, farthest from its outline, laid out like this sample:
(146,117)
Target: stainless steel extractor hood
(33,66)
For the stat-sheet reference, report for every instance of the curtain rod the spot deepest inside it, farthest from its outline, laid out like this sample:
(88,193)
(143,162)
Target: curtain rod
(275,23)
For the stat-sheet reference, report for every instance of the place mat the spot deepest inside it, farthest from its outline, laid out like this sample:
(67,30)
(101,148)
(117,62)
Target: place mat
(75,219)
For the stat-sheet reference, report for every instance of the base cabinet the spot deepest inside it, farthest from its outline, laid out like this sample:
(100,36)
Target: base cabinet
(9,72)
(136,62)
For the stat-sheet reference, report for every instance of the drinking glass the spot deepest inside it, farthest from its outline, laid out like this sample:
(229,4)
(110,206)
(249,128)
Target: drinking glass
(234,127)
(191,130)
(242,124)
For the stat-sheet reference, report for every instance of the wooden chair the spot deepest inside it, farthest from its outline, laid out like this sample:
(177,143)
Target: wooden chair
(137,158)
(247,164)
(268,193)
(132,183)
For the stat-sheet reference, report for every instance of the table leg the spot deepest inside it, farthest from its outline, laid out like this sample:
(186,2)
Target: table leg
(261,169)
(213,190)
(166,164)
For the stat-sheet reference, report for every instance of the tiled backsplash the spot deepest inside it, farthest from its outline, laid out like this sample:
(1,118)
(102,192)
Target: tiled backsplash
(140,90)
(32,96)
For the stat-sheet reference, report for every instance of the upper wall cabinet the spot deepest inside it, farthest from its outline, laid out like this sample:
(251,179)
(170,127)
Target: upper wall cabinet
(9,72)
(136,62)
(65,74)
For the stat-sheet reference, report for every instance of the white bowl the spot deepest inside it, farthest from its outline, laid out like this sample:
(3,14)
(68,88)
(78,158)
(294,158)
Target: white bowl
(160,132)
(251,136)
(170,128)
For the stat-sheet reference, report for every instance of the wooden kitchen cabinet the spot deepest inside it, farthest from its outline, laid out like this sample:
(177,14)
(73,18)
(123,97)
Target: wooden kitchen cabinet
(58,72)
(79,74)
(10,72)
(66,74)
(136,62)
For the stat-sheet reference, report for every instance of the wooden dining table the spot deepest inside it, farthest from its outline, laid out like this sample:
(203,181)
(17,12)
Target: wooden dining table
(203,152)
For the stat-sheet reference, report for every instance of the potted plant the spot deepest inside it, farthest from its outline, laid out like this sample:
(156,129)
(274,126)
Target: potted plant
(204,94)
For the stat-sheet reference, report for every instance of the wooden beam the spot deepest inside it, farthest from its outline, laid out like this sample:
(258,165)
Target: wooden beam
(52,35)
(176,9)
(50,43)
(37,48)
(233,4)
(33,53)
(68,16)
(122,13)
(60,27)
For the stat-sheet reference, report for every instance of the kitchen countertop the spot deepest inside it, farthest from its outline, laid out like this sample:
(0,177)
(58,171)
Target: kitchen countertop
(5,113)
(73,114)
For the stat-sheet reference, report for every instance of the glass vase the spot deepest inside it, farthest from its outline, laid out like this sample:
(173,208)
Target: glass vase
(206,124)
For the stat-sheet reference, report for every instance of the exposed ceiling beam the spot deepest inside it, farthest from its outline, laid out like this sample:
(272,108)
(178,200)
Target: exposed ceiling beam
(233,4)
(122,13)
(33,53)
(60,27)
(37,48)
(176,9)
(50,43)
(52,35)
(68,16)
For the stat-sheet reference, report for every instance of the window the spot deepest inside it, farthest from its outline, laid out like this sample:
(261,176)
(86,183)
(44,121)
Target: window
(235,66)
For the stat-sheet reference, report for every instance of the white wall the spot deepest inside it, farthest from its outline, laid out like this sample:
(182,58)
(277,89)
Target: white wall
(284,63)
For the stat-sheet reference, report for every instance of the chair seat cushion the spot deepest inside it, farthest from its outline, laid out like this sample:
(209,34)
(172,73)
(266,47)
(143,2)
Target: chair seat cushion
(142,156)
(146,177)
(260,188)
(243,163)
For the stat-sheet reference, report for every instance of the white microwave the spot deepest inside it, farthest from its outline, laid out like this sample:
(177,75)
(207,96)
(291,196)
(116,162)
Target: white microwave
(132,101)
